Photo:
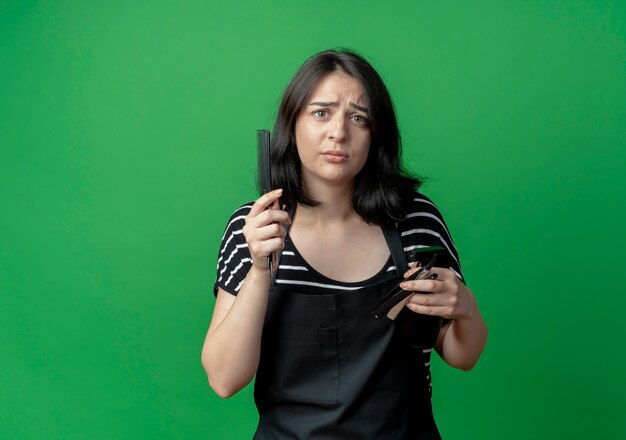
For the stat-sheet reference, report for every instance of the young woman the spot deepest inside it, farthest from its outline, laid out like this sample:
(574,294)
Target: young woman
(344,218)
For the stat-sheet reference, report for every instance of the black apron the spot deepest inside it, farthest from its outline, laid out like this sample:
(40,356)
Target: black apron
(329,370)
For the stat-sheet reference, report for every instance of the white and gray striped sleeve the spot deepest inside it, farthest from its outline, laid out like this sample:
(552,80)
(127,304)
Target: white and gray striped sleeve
(233,261)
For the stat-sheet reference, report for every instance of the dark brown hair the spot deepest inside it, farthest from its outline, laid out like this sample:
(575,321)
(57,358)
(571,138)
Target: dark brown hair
(382,187)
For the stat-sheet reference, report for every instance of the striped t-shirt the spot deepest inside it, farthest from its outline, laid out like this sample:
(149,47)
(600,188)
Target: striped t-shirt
(422,227)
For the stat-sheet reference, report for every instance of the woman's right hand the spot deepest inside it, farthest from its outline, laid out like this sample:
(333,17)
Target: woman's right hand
(264,231)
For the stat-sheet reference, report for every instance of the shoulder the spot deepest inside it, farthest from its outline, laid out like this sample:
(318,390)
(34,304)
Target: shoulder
(423,226)
(235,224)
(240,213)
(233,232)
(420,207)
(237,219)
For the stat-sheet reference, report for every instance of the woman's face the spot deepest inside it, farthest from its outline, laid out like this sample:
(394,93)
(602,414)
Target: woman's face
(333,132)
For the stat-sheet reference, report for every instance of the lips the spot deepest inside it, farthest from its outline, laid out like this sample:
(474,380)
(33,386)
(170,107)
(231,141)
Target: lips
(334,156)
(335,153)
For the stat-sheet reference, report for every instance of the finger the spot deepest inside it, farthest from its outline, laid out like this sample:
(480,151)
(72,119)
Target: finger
(252,224)
(265,201)
(269,216)
(272,230)
(263,249)
(444,273)
(427,299)
(446,305)
(430,286)
(263,233)
(414,268)
(429,310)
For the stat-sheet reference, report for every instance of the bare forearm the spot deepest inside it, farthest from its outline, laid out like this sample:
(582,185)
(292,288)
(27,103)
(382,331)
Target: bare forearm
(231,350)
(464,341)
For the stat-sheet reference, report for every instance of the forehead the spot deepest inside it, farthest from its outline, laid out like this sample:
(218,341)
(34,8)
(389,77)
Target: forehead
(338,85)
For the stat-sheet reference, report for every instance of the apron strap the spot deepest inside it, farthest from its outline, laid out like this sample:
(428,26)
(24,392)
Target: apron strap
(394,241)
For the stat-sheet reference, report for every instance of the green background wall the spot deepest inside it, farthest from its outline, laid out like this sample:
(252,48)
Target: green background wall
(127,139)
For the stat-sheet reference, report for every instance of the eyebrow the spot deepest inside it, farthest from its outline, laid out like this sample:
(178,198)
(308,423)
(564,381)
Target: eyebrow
(334,104)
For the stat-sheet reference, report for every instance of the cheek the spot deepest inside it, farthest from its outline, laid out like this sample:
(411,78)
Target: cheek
(302,146)
(302,135)
(364,157)
(365,150)
(306,141)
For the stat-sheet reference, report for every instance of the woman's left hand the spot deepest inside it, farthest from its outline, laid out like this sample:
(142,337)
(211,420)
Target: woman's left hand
(448,296)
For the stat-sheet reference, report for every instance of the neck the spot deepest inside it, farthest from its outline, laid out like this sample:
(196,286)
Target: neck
(335,204)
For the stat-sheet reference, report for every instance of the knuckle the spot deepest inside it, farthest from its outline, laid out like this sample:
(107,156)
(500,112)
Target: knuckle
(254,248)
(246,233)
(455,288)
(276,244)
(264,216)
(257,206)
(429,286)
(269,198)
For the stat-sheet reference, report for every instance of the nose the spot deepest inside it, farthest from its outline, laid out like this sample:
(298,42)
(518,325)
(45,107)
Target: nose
(337,131)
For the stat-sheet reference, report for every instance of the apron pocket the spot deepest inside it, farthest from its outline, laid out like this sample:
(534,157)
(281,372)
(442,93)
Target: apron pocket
(306,364)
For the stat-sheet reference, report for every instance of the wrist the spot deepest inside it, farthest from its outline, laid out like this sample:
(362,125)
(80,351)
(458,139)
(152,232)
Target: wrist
(471,306)
(256,283)
(259,273)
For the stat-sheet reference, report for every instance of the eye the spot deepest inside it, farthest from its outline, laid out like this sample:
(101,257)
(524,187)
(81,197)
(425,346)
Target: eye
(320,113)
(360,120)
